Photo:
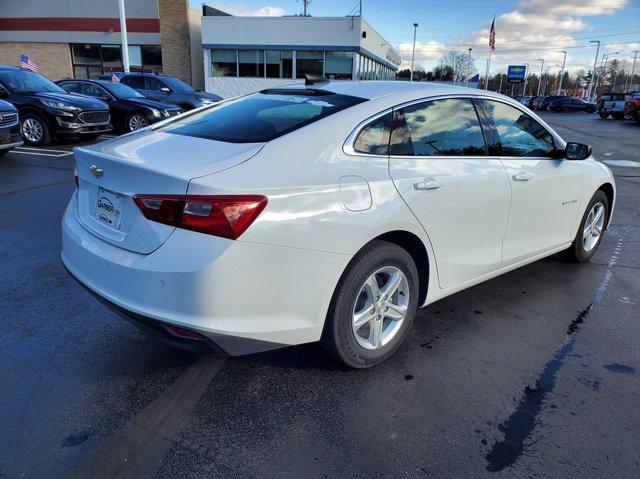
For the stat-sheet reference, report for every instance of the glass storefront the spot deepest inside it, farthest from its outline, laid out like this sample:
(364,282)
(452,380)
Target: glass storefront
(92,60)
(335,65)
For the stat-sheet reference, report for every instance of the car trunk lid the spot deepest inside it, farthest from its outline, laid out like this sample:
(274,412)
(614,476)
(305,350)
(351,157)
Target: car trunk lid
(147,162)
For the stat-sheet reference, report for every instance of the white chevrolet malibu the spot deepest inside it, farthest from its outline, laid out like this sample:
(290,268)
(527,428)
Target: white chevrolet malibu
(325,212)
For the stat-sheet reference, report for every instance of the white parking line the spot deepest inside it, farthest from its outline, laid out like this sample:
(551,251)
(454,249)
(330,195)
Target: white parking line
(23,150)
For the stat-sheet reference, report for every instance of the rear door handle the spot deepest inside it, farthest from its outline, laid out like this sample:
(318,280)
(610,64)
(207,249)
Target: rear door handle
(427,184)
(523,176)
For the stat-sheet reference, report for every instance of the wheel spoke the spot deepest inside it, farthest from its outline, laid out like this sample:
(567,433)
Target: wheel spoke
(597,216)
(392,284)
(375,333)
(361,318)
(396,311)
(372,286)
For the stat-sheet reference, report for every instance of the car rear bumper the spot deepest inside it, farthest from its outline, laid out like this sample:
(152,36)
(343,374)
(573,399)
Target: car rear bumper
(243,297)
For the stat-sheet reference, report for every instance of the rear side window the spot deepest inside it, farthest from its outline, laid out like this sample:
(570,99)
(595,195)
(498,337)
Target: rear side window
(520,135)
(374,138)
(260,117)
(134,82)
(448,127)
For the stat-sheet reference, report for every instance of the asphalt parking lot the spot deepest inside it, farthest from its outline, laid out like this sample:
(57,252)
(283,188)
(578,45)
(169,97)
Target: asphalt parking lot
(532,374)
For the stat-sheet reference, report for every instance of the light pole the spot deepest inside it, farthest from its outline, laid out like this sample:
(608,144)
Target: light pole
(540,79)
(605,59)
(564,59)
(546,78)
(123,33)
(413,53)
(595,65)
(633,71)
(469,70)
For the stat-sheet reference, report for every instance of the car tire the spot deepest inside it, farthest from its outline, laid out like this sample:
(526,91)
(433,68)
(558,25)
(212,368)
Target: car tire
(604,115)
(381,330)
(591,110)
(35,129)
(135,121)
(617,116)
(586,242)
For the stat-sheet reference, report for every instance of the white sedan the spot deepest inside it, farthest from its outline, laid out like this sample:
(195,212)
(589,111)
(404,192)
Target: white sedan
(325,212)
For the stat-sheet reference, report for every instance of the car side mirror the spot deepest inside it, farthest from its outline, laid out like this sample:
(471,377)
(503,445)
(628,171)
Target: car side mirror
(165,89)
(577,151)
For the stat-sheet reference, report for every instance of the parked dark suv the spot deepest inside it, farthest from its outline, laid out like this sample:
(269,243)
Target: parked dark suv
(9,127)
(165,89)
(130,110)
(47,111)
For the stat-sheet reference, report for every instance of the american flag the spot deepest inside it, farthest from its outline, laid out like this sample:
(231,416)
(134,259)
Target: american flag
(28,63)
(114,78)
(492,35)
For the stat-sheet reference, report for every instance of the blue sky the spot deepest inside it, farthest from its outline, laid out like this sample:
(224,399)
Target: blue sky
(542,27)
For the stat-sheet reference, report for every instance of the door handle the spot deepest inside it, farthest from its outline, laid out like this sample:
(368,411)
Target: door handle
(523,176)
(427,184)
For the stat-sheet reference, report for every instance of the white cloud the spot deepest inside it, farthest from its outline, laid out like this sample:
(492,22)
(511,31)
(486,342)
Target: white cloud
(241,10)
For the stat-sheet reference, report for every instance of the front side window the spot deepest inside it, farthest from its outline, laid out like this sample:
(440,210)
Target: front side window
(519,134)
(91,89)
(134,81)
(72,87)
(374,138)
(448,127)
(153,84)
(224,63)
(260,117)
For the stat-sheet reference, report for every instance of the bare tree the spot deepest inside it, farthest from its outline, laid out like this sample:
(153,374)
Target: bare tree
(462,65)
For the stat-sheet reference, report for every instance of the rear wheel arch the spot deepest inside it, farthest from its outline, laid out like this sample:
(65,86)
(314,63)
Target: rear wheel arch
(418,251)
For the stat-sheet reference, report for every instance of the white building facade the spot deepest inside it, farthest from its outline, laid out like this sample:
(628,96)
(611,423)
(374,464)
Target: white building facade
(247,54)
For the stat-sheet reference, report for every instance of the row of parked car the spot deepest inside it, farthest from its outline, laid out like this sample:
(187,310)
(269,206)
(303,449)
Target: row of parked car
(42,110)
(617,105)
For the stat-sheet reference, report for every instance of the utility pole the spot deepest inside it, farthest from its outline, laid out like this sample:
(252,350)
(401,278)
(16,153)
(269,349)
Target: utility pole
(593,73)
(540,79)
(605,59)
(561,72)
(413,53)
(123,34)
(633,71)
(305,3)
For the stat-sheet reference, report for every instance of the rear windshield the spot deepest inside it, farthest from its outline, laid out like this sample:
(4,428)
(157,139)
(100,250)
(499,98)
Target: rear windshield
(260,117)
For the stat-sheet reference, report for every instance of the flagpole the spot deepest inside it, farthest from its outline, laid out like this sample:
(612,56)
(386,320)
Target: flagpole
(123,33)
(486,75)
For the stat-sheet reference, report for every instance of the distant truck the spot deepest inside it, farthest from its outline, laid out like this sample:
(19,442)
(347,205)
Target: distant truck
(612,104)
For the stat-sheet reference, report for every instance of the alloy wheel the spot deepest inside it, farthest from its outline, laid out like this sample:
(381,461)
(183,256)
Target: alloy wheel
(32,130)
(593,227)
(136,122)
(380,308)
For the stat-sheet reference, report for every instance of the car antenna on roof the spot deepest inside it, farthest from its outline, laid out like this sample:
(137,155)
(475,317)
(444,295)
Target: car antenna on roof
(312,79)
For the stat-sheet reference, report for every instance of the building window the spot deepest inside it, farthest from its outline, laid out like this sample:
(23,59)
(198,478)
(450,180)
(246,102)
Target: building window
(279,64)
(135,56)
(309,63)
(224,63)
(152,58)
(251,63)
(339,65)
(111,58)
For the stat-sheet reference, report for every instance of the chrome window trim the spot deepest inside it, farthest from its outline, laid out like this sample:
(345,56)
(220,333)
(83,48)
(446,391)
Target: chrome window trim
(349,149)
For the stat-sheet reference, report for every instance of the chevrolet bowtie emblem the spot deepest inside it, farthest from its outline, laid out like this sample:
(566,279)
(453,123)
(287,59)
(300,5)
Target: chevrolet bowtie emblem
(95,171)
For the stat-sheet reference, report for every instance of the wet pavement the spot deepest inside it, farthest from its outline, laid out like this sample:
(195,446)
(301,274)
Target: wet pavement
(532,374)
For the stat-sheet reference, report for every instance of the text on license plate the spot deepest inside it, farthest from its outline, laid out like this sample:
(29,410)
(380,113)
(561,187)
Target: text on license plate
(109,208)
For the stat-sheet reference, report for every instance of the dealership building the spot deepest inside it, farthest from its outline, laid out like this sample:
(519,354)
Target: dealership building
(247,54)
(81,38)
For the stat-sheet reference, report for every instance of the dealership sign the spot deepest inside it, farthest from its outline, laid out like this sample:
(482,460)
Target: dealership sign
(516,73)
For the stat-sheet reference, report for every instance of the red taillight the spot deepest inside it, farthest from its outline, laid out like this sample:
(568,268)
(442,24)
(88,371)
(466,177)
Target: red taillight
(183,332)
(228,216)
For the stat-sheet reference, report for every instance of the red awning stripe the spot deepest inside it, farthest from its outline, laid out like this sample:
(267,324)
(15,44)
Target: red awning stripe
(62,24)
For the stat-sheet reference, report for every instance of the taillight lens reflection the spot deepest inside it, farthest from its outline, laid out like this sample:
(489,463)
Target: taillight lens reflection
(227,216)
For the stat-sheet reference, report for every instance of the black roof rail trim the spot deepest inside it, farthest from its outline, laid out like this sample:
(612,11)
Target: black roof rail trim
(296,91)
